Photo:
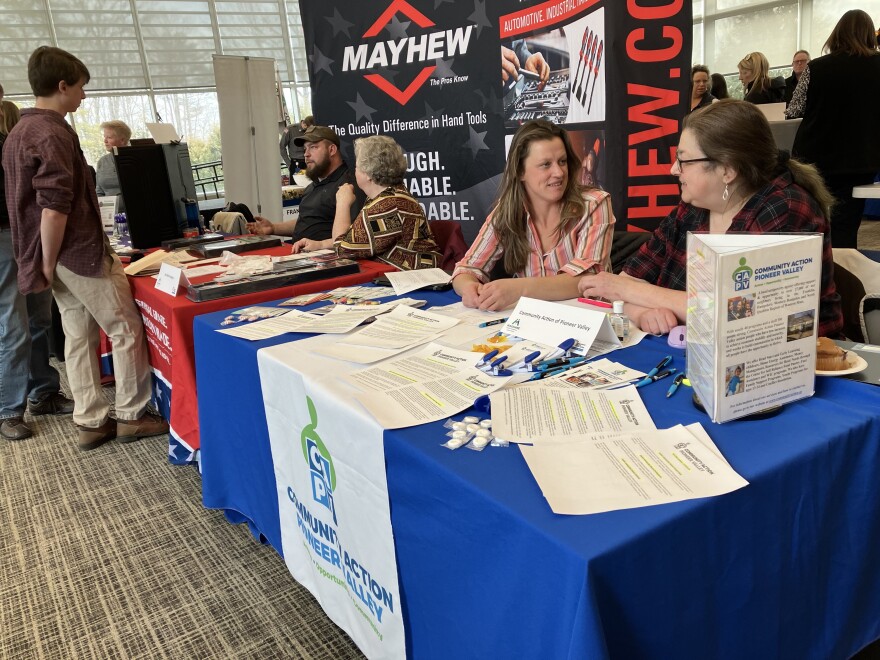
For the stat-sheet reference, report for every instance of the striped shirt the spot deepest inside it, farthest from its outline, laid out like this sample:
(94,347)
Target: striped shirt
(585,248)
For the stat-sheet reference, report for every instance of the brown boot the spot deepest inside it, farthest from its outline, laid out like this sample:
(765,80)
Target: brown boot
(94,437)
(148,424)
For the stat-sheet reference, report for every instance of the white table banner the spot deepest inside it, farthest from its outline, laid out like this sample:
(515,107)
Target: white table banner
(329,461)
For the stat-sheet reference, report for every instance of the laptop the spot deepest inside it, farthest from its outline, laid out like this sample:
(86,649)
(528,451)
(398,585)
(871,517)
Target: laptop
(871,354)
(773,111)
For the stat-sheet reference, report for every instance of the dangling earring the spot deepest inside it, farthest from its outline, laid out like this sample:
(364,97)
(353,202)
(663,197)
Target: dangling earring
(726,194)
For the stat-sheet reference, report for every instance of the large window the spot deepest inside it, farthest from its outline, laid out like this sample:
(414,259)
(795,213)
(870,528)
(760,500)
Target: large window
(152,59)
(726,30)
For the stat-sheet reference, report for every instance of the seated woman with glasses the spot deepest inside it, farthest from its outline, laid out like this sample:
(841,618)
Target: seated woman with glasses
(733,180)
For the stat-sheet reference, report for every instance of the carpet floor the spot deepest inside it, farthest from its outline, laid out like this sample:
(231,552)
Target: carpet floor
(110,554)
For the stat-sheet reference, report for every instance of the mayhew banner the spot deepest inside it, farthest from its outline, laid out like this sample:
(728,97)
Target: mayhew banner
(429,74)
(333,499)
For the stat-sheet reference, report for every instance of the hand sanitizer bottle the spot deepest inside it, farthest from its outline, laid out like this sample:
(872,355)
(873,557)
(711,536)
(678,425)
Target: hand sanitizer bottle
(619,320)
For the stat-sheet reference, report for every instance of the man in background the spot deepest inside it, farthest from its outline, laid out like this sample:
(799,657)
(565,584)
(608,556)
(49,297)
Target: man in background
(798,64)
(317,208)
(292,154)
(59,243)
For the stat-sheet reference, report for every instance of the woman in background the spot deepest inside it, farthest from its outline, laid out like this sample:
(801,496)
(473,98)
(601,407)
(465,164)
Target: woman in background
(754,73)
(546,228)
(842,137)
(391,226)
(116,134)
(719,87)
(733,180)
(701,87)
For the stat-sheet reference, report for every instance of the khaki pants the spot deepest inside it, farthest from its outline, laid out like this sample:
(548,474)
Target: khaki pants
(87,303)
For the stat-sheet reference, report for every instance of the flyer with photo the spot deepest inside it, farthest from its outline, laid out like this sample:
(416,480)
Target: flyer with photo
(752,319)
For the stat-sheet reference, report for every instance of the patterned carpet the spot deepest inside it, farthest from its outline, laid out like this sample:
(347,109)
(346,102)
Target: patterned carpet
(110,554)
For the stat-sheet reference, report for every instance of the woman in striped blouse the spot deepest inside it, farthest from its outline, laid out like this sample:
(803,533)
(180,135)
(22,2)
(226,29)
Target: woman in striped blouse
(545,229)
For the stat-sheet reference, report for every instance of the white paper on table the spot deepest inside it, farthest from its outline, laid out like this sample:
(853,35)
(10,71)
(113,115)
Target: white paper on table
(365,354)
(401,327)
(598,473)
(535,415)
(432,384)
(553,323)
(208,269)
(291,321)
(596,375)
(405,281)
(472,316)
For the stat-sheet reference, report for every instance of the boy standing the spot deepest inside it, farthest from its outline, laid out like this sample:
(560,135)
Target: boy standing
(59,242)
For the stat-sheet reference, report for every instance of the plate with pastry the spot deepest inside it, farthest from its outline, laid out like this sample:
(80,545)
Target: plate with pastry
(832,360)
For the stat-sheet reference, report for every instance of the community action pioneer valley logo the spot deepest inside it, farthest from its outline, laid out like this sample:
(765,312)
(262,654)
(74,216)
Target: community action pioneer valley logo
(427,47)
(742,276)
(323,539)
(320,464)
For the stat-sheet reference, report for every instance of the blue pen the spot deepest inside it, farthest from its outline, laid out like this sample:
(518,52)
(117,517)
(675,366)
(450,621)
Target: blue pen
(558,352)
(647,380)
(527,360)
(665,361)
(496,364)
(675,383)
(560,362)
(487,324)
(488,356)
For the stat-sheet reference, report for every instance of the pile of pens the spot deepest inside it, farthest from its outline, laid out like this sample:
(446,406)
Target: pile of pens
(660,372)
(555,362)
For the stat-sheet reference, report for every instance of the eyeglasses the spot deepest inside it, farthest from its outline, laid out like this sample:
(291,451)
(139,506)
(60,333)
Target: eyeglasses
(800,61)
(681,162)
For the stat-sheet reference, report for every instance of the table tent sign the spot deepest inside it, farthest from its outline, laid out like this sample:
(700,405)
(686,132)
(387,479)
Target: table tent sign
(752,320)
(333,499)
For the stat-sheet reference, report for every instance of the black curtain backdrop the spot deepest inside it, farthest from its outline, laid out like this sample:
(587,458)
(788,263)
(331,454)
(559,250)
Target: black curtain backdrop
(428,74)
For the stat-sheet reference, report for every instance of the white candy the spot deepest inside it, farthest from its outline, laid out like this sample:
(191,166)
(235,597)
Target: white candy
(480,442)
(458,426)
(470,419)
(473,428)
(455,442)
(484,433)
(486,423)
(459,434)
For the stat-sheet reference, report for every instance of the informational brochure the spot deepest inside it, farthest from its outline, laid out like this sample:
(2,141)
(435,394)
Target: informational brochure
(403,326)
(553,323)
(535,415)
(753,316)
(405,281)
(478,317)
(599,473)
(434,383)
(339,320)
(597,375)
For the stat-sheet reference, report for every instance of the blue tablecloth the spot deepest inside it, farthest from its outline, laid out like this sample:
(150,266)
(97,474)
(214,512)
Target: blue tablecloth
(787,567)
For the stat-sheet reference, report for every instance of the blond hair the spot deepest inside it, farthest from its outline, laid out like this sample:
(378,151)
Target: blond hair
(119,127)
(758,63)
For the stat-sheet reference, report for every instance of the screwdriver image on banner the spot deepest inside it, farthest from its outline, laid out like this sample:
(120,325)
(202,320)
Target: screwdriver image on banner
(584,57)
(591,64)
(598,64)
(580,61)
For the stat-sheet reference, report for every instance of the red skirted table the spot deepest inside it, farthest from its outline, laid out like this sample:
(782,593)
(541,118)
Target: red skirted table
(168,323)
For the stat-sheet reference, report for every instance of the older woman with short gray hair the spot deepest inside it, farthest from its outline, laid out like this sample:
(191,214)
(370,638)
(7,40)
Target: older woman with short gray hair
(116,134)
(391,226)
